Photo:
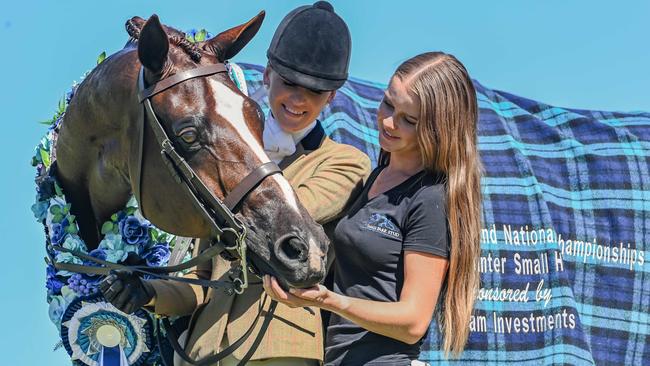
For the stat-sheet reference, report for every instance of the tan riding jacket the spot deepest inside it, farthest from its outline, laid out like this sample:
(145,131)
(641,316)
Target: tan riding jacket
(326,177)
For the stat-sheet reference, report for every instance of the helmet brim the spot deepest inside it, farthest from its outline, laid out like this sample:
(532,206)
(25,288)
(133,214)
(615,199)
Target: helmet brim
(305,80)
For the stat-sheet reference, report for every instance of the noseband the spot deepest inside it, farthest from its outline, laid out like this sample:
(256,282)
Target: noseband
(219,214)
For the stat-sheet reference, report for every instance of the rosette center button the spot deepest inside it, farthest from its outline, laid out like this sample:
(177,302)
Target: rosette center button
(108,335)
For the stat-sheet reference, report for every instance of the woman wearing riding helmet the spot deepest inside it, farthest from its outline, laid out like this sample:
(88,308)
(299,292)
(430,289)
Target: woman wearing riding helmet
(308,61)
(413,233)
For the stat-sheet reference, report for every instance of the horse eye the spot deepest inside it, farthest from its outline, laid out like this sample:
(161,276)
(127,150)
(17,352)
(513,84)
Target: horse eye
(189,136)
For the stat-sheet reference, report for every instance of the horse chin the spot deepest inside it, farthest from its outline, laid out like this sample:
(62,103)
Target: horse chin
(304,281)
(296,278)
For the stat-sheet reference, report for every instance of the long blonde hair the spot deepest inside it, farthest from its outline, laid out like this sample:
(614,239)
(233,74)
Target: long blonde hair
(447,136)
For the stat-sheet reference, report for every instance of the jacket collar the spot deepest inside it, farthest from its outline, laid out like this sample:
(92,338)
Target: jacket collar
(314,138)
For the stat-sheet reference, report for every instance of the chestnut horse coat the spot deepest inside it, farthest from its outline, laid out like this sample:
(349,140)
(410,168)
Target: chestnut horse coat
(326,176)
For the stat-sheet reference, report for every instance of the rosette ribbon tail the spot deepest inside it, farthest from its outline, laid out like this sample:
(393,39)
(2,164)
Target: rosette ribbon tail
(113,356)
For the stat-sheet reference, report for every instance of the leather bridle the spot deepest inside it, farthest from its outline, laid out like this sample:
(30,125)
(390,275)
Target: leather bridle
(225,227)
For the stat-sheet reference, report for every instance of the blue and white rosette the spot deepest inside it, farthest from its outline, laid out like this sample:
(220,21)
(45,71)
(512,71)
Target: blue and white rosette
(95,333)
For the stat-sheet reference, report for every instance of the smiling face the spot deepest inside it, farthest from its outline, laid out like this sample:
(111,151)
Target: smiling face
(293,106)
(397,120)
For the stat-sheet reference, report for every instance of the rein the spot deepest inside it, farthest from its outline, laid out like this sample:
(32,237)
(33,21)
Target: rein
(218,214)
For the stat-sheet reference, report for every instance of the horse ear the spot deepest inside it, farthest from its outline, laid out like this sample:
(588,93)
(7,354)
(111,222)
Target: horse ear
(228,43)
(153,45)
(137,22)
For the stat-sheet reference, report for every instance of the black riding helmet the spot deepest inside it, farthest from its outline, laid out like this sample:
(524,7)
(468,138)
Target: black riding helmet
(311,48)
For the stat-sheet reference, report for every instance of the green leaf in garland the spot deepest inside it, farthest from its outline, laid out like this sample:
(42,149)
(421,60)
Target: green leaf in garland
(57,189)
(200,35)
(189,37)
(71,229)
(71,218)
(116,229)
(154,234)
(57,218)
(107,227)
(66,208)
(61,107)
(55,209)
(130,210)
(45,158)
(101,57)
(114,217)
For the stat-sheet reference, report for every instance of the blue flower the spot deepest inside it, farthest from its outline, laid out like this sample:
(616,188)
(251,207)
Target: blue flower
(46,188)
(98,253)
(52,283)
(121,215)
(157,255)
(40,210)
(57,233)
(84,285)
(115,248)
(134,231)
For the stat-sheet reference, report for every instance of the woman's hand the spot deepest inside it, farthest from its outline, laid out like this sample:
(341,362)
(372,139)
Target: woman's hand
(313,296)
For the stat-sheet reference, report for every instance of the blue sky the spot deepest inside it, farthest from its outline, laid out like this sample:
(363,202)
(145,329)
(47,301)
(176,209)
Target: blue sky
(580,54)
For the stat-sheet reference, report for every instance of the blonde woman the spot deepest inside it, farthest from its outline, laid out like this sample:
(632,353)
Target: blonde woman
(411,239)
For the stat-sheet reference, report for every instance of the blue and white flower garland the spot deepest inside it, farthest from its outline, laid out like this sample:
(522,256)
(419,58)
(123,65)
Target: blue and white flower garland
(75,305)
(127,233)
(93,331)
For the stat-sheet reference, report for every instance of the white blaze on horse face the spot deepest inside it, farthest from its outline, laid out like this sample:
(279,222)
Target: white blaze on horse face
(230,105)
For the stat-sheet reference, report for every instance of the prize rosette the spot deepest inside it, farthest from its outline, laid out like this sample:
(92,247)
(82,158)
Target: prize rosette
(95,333)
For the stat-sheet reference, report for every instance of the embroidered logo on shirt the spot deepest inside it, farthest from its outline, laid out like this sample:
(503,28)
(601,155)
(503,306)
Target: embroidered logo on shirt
(381,224)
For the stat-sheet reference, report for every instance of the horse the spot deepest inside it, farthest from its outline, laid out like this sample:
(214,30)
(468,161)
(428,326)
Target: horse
(108,149)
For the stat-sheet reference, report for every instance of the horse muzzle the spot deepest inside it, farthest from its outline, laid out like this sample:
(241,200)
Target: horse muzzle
(300,263)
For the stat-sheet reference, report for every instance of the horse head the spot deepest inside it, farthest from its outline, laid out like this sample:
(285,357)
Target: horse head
(212,125)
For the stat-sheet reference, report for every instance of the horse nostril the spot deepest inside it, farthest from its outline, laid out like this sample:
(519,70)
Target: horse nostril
(291,248)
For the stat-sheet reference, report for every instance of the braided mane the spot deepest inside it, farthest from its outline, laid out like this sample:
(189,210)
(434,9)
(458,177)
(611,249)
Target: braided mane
(179,40)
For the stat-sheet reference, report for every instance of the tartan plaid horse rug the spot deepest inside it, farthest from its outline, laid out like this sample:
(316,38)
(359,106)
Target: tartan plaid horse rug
(566,212)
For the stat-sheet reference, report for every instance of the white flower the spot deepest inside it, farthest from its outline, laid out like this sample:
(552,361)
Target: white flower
(56,309)
(73,242)
(116,249)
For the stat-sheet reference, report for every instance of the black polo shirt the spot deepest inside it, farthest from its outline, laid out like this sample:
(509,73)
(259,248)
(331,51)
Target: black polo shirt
(370,242)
